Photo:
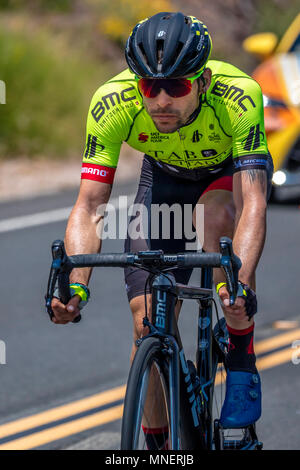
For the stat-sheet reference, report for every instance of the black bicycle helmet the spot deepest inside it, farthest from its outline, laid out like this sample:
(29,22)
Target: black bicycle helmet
(168,45)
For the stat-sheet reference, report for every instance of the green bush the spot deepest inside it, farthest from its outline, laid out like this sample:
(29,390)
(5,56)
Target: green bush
(37,5)
(118,17)
(275,16)
(48,90)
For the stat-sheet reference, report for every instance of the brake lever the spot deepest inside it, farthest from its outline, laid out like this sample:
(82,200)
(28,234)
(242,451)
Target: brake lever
(59,272)
(231,265)
(51,286)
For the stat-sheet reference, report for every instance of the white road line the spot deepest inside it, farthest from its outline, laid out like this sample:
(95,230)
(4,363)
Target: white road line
(56,215)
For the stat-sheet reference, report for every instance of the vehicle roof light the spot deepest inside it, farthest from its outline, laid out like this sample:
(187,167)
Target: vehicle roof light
(279,178)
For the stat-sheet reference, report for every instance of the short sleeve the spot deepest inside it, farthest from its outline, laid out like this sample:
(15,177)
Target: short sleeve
(105,131)
(249,142)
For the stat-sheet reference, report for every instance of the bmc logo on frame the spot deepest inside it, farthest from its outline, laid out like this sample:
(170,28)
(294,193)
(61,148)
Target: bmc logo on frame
(2,92)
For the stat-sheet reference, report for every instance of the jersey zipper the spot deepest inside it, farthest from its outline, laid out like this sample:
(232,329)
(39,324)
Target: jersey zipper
(182,137)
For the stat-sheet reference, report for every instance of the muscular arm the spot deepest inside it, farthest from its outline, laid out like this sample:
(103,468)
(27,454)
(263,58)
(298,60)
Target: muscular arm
(249,192)
(81,233)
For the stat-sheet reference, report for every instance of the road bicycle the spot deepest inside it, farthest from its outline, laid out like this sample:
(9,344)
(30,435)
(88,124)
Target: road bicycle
(163,385)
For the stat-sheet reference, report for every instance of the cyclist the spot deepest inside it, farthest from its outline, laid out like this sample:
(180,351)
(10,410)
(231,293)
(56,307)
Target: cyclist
(200,125)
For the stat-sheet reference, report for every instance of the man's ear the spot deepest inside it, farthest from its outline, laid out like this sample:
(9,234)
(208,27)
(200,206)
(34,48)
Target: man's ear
(206,80)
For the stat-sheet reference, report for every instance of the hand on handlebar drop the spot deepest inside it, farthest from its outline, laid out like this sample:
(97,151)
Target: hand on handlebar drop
(64,314)
(237,311)
(245,305)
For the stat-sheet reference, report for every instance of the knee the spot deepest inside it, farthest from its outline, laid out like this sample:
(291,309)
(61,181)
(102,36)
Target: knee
(139,330)
(218,218)
(137,306)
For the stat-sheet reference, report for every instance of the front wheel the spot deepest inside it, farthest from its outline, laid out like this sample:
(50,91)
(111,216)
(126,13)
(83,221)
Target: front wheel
(146,416)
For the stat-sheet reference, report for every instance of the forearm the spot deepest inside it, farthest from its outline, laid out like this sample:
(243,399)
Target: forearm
(249,239)
(83,233)
(81,237)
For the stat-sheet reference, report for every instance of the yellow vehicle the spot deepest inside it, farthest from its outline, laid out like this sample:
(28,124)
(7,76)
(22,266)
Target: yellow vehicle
(279,77)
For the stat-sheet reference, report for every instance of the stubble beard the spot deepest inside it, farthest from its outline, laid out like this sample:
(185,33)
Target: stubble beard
(164,129)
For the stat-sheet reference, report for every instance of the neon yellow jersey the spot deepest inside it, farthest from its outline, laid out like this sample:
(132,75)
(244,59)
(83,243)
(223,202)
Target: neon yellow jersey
(229,124)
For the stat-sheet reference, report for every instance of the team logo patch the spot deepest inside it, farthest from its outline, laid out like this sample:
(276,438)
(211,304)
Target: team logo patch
(143,137)
(197,136)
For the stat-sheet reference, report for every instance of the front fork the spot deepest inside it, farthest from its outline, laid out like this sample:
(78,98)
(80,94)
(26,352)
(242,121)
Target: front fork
(164,325)
(184,416)
(205,357)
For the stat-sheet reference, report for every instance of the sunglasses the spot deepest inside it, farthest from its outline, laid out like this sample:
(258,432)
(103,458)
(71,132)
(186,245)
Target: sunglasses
(174,87)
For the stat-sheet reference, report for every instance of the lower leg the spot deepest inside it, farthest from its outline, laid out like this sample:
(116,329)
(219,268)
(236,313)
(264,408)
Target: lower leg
(241,354)
(242,405)
(219,214)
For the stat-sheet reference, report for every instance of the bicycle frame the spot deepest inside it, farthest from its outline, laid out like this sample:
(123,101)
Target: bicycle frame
(189,410)
(207,354)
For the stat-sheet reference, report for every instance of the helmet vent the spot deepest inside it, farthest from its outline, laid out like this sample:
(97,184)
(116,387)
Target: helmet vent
(143,52)
(160,48)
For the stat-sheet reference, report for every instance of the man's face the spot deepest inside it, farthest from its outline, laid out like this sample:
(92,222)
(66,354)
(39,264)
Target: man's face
(169,114)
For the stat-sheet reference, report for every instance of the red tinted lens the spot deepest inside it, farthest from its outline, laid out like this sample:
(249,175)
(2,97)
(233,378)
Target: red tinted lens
(175,87)
(148,87)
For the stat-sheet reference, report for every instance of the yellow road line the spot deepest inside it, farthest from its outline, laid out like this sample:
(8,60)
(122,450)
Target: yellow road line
(276,341)
(64,430)
(63,411)
(114,413)
(275,359)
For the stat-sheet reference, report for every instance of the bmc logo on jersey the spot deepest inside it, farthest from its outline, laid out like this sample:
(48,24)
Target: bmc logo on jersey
(232,93)
(110,100)
(143,137)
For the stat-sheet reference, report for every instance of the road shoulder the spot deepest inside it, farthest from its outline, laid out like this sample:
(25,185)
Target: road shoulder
(26,178)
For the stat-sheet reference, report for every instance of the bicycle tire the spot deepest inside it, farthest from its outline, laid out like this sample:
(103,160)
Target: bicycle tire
(148,355)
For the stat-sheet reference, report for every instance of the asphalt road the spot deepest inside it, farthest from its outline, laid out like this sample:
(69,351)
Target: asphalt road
(54,378)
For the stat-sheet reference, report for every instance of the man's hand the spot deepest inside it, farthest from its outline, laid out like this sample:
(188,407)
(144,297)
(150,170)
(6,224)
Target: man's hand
(236,312)
(64,314)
